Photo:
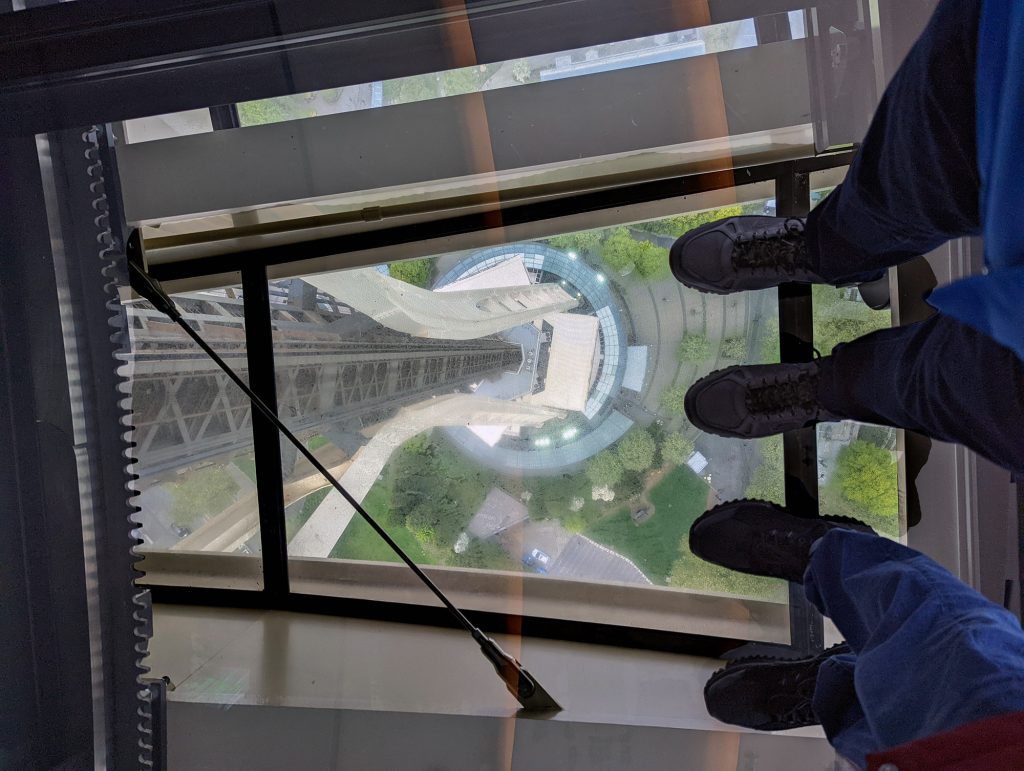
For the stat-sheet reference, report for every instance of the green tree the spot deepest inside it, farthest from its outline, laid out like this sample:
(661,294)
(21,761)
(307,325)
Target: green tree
(582,242)
(636,450)
(733,348)
(866,475)
(676,449)
(520,70)
(414,88)
(768,482)
(651,261)
(623,253)
(605,468)
(619,251)
(465,80)
(275,110)
(485,555)
(415,272)
(684,223)
(553,496)
(630,486)
(694,348)
(673,400)
(839,319)
(437,521)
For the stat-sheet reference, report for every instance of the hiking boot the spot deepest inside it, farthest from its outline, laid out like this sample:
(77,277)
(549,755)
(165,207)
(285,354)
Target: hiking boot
(751,400)
(762,538)
(767,694)
(740,253)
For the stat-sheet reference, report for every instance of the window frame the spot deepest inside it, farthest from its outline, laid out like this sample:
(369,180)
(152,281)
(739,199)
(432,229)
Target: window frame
(275,590)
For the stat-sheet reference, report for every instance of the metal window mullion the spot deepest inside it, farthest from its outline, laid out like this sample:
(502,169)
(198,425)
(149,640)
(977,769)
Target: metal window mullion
(266,442)
(800,447)
(224,116)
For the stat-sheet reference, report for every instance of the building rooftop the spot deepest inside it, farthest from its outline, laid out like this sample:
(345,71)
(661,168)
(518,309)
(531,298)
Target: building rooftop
(570,370)
(498,512)
(510,272)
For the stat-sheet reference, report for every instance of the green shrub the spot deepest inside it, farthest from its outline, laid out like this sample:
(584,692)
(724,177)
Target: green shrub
(673,400)
(636,450)
(694,348)
(415,272)
(733,348)
(676,449)
(605,468)
(866,475)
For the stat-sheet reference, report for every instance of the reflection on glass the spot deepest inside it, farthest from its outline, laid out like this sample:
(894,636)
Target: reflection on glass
(682,44)
(520,408)
(857,464)
(857,478)
(192,428)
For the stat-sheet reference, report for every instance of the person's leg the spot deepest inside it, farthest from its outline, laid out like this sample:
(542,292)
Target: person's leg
(914,182)
(931,653)
(937,377)
(837,707)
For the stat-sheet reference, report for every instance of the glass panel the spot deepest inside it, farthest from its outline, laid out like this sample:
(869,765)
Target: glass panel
(520,407)
(175,124)
(857,463)
(192,428)
(682,44)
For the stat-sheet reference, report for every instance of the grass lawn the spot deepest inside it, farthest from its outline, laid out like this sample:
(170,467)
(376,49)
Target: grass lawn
(360,542)
(247,465)
(294,523)
(654,545)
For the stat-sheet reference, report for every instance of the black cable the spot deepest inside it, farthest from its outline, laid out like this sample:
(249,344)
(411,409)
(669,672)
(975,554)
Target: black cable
(527,691)
(269,415)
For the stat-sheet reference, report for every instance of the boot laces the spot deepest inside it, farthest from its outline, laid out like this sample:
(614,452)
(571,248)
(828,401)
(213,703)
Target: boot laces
(777,248)
(788,397)
(781,547)
(796,691)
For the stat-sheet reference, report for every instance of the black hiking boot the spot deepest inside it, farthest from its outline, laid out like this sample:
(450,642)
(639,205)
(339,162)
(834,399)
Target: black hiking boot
(767,694)
(762,538)
(752,400)
(740,253)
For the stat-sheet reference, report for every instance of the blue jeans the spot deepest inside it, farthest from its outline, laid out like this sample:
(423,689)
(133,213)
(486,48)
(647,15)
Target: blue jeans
(912,186)
(929,653)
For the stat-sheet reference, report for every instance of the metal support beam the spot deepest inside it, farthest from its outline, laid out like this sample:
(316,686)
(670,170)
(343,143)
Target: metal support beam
(263,380)
(46,695)
(108,60)
(800,448)
(601,200)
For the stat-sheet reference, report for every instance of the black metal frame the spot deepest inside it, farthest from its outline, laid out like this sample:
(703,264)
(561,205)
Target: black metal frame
(599,200)
(73,65)
(792,182)
(259,343)
(116,62)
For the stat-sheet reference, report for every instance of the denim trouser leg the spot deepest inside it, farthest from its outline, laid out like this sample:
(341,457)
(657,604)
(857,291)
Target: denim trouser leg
(914,183)
(937,377)
(836,705)
(930,653)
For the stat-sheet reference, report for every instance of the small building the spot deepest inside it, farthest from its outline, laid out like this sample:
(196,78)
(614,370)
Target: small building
(497,513)
(697,463)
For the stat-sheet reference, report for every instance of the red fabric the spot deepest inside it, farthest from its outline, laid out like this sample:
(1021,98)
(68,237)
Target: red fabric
(993,744)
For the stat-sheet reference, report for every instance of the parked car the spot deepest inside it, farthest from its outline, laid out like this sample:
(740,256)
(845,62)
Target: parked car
(537,560)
